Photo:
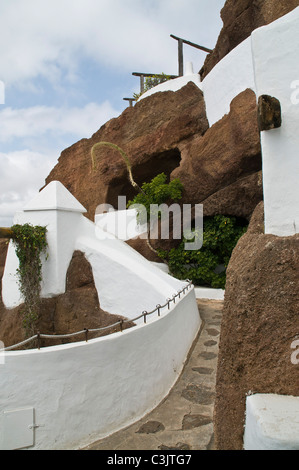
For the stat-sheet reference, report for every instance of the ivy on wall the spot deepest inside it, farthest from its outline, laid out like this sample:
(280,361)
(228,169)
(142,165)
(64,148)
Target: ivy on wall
(30,243)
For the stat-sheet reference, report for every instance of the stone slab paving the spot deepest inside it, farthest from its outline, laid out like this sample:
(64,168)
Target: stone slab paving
(184,419)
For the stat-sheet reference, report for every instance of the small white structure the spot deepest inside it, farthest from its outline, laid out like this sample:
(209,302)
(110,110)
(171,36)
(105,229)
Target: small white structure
(55,208)
(122,224)
(272,422)
(64,397)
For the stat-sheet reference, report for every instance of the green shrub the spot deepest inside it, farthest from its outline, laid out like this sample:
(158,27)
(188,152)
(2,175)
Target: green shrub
(207,266)
(158,191)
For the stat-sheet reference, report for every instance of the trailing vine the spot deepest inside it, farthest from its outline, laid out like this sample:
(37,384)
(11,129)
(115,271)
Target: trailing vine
(155,192)
(124,156)
(30,243)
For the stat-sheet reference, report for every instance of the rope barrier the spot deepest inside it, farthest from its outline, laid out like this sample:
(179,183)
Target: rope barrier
(96,330)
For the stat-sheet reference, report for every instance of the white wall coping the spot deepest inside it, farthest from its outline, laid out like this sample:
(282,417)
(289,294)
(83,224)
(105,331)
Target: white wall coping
(54,197)
(209,293)
(272,422)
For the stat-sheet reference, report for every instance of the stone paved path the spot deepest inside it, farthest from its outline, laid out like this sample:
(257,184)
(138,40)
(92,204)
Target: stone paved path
(184,420)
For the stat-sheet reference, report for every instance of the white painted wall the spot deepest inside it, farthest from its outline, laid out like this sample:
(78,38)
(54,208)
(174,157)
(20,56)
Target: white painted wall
(126,282)
(276,64)
(232,75)
(85,391)
(272,422)
(121,224)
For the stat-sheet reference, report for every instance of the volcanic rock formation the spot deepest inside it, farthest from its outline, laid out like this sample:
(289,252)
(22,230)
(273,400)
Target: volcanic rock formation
(240,18)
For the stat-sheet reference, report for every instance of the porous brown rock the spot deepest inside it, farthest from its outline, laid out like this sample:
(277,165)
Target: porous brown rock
(227,153)
(260,321)
(169,132)
(240,18)
(149,133)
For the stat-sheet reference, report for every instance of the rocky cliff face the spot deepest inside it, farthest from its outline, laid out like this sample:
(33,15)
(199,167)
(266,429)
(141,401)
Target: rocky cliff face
(260,320)
(240,18)
(169,132)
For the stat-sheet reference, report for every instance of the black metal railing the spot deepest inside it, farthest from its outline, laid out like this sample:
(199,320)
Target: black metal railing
(86,331)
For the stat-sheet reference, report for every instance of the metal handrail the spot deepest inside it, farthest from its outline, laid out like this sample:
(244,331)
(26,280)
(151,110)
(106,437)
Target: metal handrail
(120,323)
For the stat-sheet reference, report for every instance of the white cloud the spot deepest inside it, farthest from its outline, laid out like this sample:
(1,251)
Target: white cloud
(49,38)
(50,41)
(39,120)
(22,174)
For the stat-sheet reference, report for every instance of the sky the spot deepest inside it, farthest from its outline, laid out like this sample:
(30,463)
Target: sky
(65,67)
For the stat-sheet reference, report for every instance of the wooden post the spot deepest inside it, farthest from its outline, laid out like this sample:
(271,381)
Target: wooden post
(180,45)
(181,58)
(6,232)
(141,83)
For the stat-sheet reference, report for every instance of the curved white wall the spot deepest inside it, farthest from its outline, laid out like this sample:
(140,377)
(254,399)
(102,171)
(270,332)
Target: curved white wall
(232,75)
(84,391)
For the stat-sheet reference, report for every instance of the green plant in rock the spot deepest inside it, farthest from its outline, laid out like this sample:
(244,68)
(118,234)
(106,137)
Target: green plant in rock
(30,243)
(157,192)
(207,266)
(151,82)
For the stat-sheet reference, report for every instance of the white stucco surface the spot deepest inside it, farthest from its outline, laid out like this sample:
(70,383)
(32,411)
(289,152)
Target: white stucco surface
(122,224)
(276,64)
(209,293)
(84,391)
(232,75)
(272,422)
(56,209)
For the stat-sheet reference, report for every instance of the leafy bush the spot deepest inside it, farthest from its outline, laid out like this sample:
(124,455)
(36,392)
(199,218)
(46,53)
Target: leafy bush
(158,191)
(207,266)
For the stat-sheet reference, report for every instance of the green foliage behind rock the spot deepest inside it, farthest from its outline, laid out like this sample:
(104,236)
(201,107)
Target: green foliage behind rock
(207,266)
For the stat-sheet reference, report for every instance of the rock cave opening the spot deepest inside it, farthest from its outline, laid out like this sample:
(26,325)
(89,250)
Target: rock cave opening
(151,166)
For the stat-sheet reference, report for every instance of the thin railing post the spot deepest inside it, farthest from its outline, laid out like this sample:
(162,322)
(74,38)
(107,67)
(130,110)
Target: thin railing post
(38,340)
(86,334)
